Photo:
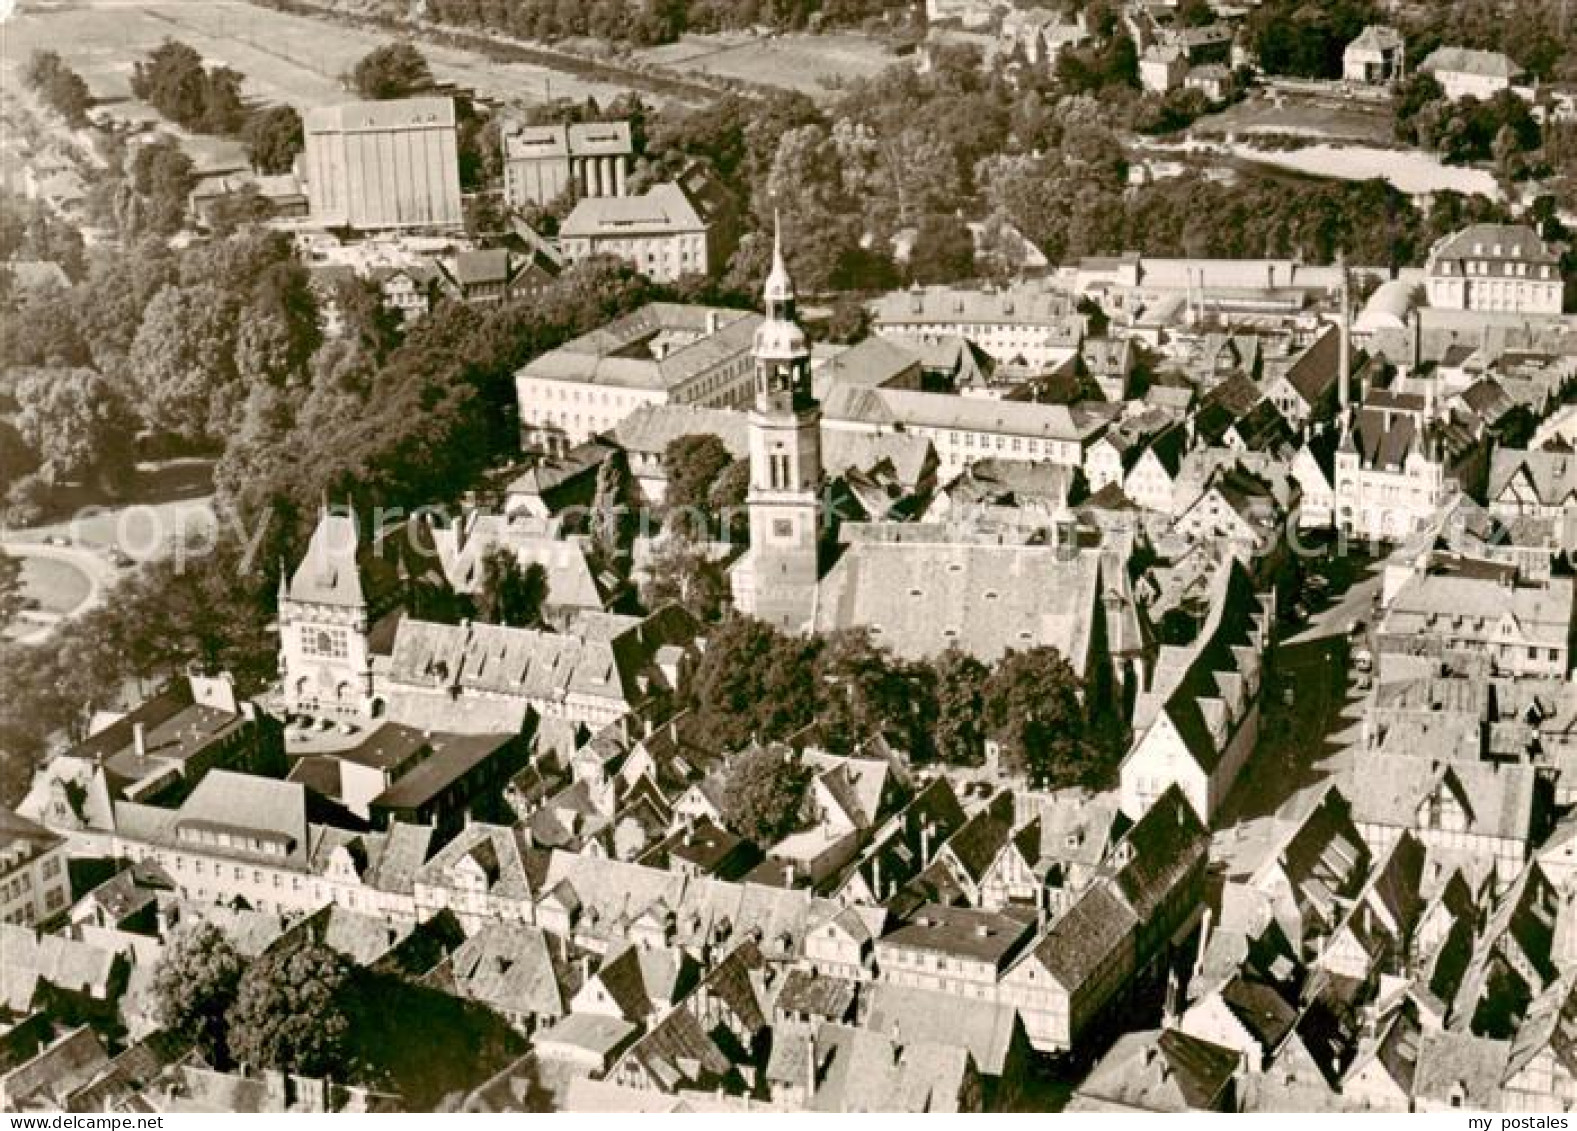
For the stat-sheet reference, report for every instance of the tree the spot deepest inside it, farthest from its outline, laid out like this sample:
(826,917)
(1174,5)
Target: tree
(944,250)
(59,86)
(77,424)
(182,363)
(1034,714)
(680,573)
(754,683)
(223,110)
(511,594)
(162,177)
(766,794)
(396,70)
(13,597)
(726,500)
(1294,37)
(959,686)
(289,1012)
(612,520)
(195,985)
(16,457)
(173,80)
(865,692)
(693,463)
(1195,13)
(273,138)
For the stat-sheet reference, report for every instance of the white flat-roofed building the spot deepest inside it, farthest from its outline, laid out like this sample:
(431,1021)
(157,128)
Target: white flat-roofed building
(540,162)
(380,165)
(664,353)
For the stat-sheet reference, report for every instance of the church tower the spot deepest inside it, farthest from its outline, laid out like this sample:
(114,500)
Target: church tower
(325,661)
(777,581)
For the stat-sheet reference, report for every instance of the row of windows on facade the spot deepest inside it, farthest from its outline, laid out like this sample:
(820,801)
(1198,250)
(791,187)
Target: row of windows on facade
(233,840)
(332,643)
(1480,267)
(54,900)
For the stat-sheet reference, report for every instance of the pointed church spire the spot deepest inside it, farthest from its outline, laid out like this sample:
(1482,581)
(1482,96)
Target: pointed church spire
(779,290)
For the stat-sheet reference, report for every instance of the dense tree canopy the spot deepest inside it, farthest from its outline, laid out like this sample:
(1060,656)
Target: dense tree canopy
(395,70)
(766,794)
(290,1011)
(1306,37)
(273,138)
(512,594)
(13,597)
(61,88)
(693,464)
(1035,716)
(195,985)
(76,423)
(172,78)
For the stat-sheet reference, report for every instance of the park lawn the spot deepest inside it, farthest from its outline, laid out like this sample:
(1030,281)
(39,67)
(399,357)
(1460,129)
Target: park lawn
(58,587)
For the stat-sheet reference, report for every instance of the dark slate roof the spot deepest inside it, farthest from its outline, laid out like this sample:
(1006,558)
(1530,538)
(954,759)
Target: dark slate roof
(817,995)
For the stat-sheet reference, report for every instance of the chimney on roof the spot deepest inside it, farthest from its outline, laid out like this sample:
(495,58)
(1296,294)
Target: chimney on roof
(714,321)
(876,877)
(926,831)
(139,740)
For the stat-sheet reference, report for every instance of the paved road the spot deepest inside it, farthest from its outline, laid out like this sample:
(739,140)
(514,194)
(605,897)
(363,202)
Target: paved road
(143,532)
(36,625)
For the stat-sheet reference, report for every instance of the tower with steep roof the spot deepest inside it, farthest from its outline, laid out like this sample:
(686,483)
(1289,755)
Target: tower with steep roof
(777,580)
(325,659)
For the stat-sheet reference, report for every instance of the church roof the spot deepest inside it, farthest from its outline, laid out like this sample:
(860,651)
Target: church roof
(920,599)
(328,574)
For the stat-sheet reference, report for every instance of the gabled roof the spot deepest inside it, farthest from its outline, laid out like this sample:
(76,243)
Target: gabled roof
(1551,475)
(909,1015)
(919,599)
(1212,675)
(975,847)
(861,1071)
(1161,1070)
(328,573)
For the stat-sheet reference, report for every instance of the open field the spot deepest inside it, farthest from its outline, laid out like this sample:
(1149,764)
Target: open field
(1307,117)
(285,57)
(806,63)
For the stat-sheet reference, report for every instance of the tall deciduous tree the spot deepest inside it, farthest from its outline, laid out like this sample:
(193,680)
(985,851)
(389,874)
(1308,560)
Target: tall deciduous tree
(1037,719)
(680,573)
(693,463)
(959,686)
(273,138)
(396,70)
(77,424)
(289,1012)
(612,519)
(512,594)
(766,794)
(195,985)
(182,363)
(13,598)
